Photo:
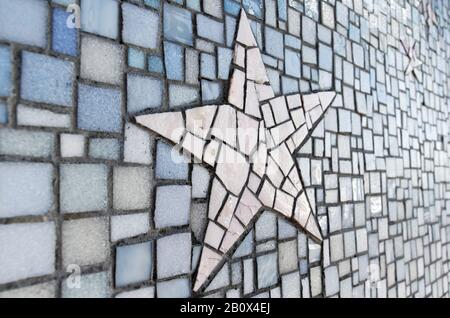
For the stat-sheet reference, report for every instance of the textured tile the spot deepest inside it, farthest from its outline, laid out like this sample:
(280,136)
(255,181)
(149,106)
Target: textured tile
(177,24)
(101,60)
(64,39)
(5,71)
(85,241)
(91,286)
(100,17)
(99,109)
(140,26)
(172,206)
(46,79)
(129,225)
(36,243)
(175,288)
(143,92)
(131,188)
(72,145)
(26,143)
(133,263)
(170,164)
(13,14)
(173,255)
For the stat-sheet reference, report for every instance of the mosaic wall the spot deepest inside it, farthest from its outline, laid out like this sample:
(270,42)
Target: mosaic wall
(93,203)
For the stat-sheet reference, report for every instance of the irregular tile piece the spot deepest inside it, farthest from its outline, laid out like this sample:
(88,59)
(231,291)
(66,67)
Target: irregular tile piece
(27,249)
(177,24)
(30,116)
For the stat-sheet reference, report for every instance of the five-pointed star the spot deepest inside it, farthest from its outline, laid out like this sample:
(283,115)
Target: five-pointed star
(414,62)
(250,144)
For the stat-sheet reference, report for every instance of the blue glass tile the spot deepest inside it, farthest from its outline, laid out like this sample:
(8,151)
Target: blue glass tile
(136,58)
(3,114)
(173,59)
(153,3)
(177,25)
(46,79)
(99,109)
(100,17)
(140,26)
(208,66)
(155,64)
(210,29)
(5,71)
(282,9)
(133,263)
(143,92)
(253,7)
(64,39)
(170,165)
(232,7)
(225,57)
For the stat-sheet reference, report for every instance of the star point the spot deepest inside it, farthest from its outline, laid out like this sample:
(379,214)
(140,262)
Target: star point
(250,143)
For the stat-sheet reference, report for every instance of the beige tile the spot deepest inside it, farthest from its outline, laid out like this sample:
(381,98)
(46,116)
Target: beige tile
(169,125)
(194,145)
(227,212)
(256,71)
(224,127)
(199,120)
(211,152)
(279,109)
(245,34)
(251,101)
(236,91)
(248,207)
(248,129)
(232,169)
(267,194)
(218,193)
(284,203)
(214,235)
(208,262)
(233,234)
(294,101)
(239,55)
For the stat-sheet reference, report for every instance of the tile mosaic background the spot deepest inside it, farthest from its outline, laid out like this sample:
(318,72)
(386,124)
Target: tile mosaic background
(91,205)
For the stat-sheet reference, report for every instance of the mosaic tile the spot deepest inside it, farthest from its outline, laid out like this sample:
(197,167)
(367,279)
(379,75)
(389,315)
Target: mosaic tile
(83,188)
(133,263)
(58,76)
(129,225)
(131,189)
(91,286)
(31,33)
(85,241)
(173,255)
(172,206)
(5,71)
(36,241)
(64,39)
(100,17)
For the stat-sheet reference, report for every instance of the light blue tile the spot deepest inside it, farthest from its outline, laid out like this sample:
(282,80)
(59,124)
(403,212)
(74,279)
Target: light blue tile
(99,109)
(83,188)
(24,21)
(153,3)
(170,164)
(253,7)
(155,64)
(136,58)
(289,85)
(46,79)
(208,66)
(232,7)
(175,288)
(267,270)
(193,4)
(210,29)
(143,92)
(64,39)
(274,42)
(173,255)
(325,57)
(225,57)
(133,263)
(5,71)
(282,9)
(25,189)
(180,95)
(174,61)
(140,26)
(100,17)
(172,206)
(37,144)
(292,63)
(210,91)
(177,25)
(104,148)
(3,113)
